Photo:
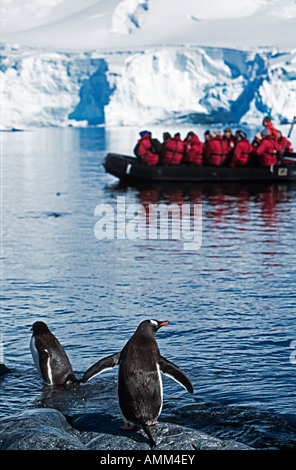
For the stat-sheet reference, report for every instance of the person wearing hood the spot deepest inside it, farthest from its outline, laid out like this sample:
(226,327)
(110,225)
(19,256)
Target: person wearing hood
(173,150)
(215,150)
(230,139)
(166,136)
(193,150)
(266,153)
(270,127)
(144,149)
(257,140)
(242,150)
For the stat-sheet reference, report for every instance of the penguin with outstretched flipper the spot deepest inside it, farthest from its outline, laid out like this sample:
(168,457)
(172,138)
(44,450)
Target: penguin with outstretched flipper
(139,378)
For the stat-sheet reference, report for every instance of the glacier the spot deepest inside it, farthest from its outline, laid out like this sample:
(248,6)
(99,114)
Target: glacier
(146,87)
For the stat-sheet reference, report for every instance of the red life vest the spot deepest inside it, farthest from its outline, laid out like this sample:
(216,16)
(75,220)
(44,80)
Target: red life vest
(241,154)
(173,151)
(267,152)
(144,151)
(272,130)
(194,150)
(215,151)
(284,143)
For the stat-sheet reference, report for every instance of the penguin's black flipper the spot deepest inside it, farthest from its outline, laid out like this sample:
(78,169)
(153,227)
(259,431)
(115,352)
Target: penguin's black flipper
(104,364)
(168,368)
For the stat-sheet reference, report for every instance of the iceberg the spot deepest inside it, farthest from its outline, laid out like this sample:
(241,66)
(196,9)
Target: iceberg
(188,84)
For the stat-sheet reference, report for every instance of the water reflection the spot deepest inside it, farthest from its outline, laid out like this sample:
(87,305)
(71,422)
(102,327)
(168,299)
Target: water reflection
(269,203)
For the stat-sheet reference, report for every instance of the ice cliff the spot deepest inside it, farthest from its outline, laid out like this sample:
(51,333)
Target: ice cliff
(188,83)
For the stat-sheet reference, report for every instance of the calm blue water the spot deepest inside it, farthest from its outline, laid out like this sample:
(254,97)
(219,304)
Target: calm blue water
(231,304)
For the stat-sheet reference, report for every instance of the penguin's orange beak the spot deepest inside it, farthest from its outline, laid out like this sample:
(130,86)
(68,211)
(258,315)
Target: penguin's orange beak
(163,323)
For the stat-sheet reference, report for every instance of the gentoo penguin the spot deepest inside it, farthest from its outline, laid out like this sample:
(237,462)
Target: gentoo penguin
(49,357)
(139,378)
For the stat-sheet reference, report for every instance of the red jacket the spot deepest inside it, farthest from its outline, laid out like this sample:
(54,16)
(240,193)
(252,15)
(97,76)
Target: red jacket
(194,151)
(272,130)
(267,152)
(241,154)
(215,151)
(173,151)
(284,143)
(144,151)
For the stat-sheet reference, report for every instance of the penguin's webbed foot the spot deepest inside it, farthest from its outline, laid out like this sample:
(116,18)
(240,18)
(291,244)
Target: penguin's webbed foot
(127,427)
(152,423)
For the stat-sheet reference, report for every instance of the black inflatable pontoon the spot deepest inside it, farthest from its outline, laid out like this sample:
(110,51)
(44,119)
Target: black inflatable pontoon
(130,170)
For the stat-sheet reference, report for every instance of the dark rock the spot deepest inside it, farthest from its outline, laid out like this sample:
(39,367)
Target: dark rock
(48,429)
(41,429)
(166,436)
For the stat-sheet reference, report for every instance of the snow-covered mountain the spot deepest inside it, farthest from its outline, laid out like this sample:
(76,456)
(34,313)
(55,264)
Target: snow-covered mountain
(117,24)
(140,62)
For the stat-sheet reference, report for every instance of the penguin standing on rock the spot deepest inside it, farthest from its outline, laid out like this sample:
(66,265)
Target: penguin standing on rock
(49,357)
(139,378)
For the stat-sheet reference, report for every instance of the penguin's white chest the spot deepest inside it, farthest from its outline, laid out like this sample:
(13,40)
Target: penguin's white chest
(35,355)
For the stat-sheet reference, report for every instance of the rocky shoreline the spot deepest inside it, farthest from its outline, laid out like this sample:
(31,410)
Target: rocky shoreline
(48,429)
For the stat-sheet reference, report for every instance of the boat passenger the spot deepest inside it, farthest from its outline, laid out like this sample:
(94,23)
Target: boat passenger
(156,145)
(145,151)
(188,137)
(253,158)
(257,140)
(242,150)
(173,150)
(270,127)
(193,150)
(283,144)
(215,150)
(166,136)
(207,136)
(230,139)
(266,153)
